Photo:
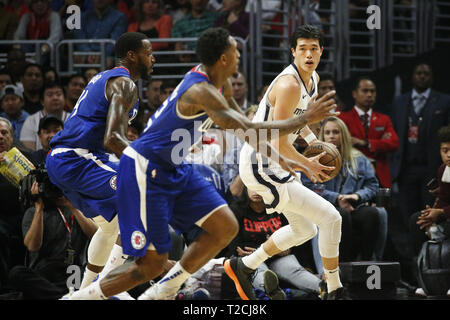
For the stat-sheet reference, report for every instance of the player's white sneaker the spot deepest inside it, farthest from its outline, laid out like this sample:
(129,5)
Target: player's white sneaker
(67,295)
(420,292)
(121,296)
(156,292)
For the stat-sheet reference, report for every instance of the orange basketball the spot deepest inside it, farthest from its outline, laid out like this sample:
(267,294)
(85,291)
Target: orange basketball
(332,157)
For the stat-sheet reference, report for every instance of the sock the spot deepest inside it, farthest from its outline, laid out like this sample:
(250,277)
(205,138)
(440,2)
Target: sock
(333,281)
(256,258)
(88,277)
(116,258)
(174,278)
(91,292)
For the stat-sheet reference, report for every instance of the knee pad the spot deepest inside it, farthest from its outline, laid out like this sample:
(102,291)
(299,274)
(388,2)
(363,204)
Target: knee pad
(102,242)
(330,235)
(285,237)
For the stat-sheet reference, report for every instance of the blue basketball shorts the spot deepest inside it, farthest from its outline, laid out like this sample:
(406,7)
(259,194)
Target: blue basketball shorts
(88,180)
(151,196)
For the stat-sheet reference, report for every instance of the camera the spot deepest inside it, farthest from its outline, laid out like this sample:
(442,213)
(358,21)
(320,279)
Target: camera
(46,189)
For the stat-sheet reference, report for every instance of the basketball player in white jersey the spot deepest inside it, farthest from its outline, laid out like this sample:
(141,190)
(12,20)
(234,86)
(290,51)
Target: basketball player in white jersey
(287,97)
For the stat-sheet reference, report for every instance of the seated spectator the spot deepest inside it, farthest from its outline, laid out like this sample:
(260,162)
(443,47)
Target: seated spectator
(194,23)
(179,9)
(89,73)
(56,235)
(11,102)
(350,191)
(153,95)
(234,18)
(12,251)
(74,89)
(100,22)
(50,74)
(5,79)
(33,83)
(48,127)
(240,90)
(436,217)
(255,226)
(15,64)
(167,88)
(41,23)
(152,22)
(53,104)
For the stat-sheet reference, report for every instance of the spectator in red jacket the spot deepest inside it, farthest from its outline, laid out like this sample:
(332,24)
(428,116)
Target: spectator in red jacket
(372,132)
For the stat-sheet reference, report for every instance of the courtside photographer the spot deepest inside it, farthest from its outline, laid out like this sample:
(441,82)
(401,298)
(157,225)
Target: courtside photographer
(55,234)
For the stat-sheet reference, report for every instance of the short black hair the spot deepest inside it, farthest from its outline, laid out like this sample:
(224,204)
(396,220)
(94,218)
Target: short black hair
(444,134)
(51,85)
(29,65)
(73,76)
(211,44)
(358,81)
(129,41)
(306,31)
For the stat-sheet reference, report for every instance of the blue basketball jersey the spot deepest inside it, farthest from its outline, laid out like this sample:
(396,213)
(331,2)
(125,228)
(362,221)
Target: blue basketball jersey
(86,125)
(168,135)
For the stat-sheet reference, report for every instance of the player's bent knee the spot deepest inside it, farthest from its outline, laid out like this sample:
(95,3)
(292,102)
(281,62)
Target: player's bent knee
(330,235)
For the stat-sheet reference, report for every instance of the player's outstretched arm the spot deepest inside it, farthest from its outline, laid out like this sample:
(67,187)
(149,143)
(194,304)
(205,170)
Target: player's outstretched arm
(204,96)
(123,95)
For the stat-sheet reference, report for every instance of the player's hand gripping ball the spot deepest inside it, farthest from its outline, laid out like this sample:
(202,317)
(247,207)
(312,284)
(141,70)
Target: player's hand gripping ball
(332,157)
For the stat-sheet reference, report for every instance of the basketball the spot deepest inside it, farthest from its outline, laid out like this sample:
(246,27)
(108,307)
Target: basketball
(332,157)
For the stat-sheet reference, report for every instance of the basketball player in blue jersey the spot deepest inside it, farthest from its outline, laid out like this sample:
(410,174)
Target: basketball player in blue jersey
(79,162)
(155,187)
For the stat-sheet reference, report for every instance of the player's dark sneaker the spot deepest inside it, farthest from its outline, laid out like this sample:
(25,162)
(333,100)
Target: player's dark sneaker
(338,294)
(242,277)
(322,289)
(271,286)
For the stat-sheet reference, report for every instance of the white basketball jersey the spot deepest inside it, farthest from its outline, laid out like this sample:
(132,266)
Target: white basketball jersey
(262,174)
(265,109)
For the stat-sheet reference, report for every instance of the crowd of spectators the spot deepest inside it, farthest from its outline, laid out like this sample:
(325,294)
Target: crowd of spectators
(398,150)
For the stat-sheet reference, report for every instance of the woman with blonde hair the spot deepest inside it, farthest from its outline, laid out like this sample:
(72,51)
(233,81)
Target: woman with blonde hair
(350,191)
(151,21)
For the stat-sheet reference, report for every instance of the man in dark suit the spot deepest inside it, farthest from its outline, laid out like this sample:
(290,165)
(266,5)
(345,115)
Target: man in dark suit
(372,132)
(417,116)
